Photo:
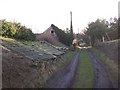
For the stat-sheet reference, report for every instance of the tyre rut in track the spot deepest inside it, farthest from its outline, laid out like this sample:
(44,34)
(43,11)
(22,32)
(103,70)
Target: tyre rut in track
(64,78)
(102,79)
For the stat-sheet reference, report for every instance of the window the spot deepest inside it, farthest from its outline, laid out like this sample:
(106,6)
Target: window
(52,32)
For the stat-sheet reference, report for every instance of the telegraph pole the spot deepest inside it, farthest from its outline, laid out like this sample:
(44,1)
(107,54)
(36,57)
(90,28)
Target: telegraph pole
(71,27)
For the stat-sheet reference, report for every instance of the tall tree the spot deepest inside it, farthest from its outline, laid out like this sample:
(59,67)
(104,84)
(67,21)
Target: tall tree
(96,30)
(112,32)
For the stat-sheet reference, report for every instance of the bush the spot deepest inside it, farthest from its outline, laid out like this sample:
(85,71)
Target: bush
(15,30)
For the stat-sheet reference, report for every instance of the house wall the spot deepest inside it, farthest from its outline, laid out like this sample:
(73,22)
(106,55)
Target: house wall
(49,37)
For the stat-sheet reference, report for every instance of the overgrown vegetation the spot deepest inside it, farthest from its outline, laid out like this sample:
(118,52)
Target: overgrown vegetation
(15,30)
(67,58)
(110,65)
(85,75)
(48,69)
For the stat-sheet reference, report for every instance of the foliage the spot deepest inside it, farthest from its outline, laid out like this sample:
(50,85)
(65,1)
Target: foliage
(15,30)
(25,34)
(113,29)
(6,29)
(102,28)
(64,38)
(96,30)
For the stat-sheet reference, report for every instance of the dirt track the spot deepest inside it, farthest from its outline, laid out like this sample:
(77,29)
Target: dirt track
(64,78)
(102,77)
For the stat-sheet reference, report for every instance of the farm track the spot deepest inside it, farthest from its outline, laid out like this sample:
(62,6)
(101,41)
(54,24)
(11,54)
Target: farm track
(64,78)
(102,77)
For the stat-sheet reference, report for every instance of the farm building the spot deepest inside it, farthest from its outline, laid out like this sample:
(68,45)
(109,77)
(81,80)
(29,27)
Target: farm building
(53,35)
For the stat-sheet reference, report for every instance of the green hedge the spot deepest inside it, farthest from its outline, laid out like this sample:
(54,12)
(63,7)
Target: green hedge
(15,30)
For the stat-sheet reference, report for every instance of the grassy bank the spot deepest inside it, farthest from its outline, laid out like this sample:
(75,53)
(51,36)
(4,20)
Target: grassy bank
(45,68)
(48,69)
(85,75)
(110,65)
(66,59)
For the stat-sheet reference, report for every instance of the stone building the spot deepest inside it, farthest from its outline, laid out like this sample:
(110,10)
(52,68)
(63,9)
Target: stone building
(50,36)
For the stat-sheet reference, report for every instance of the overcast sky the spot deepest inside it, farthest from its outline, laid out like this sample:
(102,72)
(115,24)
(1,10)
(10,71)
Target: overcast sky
(40,14)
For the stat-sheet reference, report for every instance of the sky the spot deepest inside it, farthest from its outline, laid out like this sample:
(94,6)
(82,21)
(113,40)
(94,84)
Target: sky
(40,14)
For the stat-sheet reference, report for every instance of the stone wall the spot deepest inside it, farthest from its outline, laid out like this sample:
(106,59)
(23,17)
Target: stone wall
(110,48)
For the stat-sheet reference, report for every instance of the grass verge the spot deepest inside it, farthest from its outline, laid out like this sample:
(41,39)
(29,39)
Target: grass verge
(110,65)
(85,76)
(48,69)
(66,59)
